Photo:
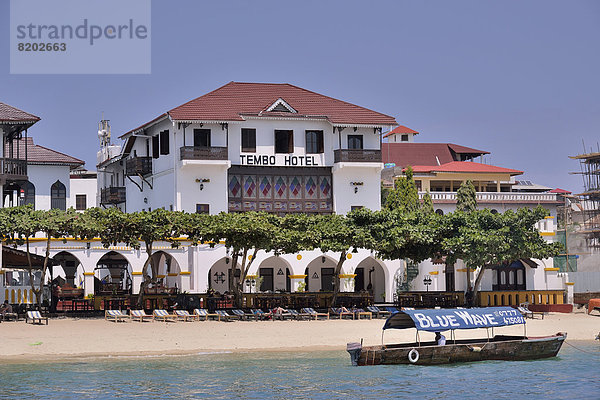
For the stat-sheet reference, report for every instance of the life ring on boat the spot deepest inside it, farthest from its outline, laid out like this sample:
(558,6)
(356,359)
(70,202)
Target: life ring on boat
(413,356)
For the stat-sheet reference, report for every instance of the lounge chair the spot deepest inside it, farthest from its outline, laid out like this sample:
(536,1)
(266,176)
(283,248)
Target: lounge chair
(34,316)
(164,315)
(8,316)
(242,315)
(359,312)
(203,313)
(379,313)
(299,315)
(313,314)
(224,316)
(186,316)
(116,315)
(527,313)
(341,312)
(261,315)
(139,315)
(394,310)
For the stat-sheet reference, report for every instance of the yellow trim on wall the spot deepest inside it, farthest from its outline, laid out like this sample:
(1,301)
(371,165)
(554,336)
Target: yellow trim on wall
(552,269)
(434,272)
(547,233)
(297,276)
(251,276)
(465,270)
(569,283)
(549,217)
(172,274)
(185,273)
(161,276)
(88,274)
(136,273)
(347,276)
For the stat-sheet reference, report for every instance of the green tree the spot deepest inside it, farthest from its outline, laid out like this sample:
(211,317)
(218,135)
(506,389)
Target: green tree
(339,234)
(244,235)
(483,239)
(466,197)
(132,229)
(55,224)
(404,196)
(427,205)
(20,225)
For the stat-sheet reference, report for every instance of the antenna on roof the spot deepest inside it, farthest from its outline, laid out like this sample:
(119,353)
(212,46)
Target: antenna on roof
(104,132)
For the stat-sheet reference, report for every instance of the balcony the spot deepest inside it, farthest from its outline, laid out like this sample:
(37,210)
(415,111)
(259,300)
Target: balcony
(13,169)
(203,153)
(112,195)
(138,166)
(348,155)
(496,197)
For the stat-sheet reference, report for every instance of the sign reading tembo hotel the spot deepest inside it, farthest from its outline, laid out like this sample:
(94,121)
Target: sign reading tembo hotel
(280,160)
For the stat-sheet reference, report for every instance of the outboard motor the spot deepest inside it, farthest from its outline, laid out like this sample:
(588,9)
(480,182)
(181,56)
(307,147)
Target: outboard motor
(354,349)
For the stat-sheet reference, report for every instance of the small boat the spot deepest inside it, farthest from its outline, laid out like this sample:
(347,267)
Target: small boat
(500,347)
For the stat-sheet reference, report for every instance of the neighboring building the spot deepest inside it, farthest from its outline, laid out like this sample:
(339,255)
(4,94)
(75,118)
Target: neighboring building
(250,146)
(400,134)
(48,178)
(440,169)
(14,124)
(83,190)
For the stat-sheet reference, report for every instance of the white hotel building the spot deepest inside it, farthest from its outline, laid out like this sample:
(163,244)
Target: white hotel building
(250,146)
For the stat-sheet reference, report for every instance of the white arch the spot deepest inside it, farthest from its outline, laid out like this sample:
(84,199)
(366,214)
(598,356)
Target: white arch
(281,269)
(379,278)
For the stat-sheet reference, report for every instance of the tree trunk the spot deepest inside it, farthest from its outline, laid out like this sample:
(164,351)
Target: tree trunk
(44,269)
(336,278)
(145,278)
(38,295)
(477,283)
(243,274)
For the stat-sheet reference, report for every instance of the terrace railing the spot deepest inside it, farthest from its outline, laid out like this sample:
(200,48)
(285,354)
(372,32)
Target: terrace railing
(498,197)
(138,166)
(349,155)
(203,153)
(13,169)
(112,195)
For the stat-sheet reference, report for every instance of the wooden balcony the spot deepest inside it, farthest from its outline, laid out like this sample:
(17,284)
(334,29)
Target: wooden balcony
(138,166)
(203,153)
(12,169)
(348,155)
(112,195)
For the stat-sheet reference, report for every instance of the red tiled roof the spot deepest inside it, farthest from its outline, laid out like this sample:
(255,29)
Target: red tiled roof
(236,99)
(37,154)
(465,166)
(12,114)
(399,130)
(561,191)
(403,154)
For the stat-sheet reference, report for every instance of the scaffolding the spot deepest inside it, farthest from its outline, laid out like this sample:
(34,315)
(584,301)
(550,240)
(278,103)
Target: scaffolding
(590,199)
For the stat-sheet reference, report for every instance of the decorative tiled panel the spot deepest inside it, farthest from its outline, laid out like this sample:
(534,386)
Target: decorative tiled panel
(280,190)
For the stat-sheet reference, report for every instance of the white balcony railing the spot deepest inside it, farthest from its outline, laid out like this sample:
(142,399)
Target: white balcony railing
(498,197)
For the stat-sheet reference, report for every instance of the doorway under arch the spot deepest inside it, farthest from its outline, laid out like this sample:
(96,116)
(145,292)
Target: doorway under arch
(275,274)
(370,277)
(112,275)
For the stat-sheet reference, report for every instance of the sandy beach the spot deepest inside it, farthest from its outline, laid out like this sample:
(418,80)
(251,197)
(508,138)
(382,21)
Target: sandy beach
(69,338)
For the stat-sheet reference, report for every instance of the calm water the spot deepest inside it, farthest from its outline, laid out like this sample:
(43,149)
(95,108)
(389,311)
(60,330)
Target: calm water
(326,375)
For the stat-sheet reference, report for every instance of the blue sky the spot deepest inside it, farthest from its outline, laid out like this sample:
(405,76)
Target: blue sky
(517,78)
